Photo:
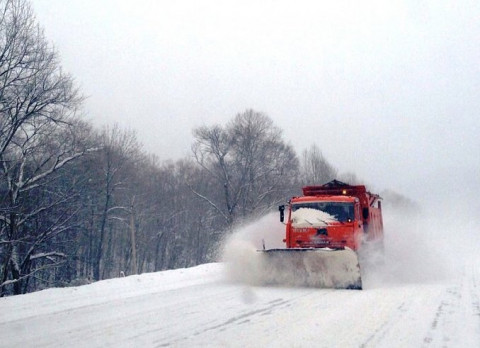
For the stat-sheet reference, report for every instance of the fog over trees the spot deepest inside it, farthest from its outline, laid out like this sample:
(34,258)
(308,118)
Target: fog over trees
(79,204)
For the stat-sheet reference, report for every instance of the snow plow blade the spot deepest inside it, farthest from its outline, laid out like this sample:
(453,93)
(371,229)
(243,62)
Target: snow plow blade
(323,268)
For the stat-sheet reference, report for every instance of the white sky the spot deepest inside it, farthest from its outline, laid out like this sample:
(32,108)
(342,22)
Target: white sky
(389,90)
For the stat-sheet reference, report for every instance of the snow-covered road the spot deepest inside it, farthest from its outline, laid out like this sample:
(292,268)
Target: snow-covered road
(197,307)
(427,294)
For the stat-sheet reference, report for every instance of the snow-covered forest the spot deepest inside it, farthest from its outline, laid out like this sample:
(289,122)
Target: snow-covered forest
(80,204)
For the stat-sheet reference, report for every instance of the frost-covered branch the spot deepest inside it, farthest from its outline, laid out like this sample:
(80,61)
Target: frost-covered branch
(48,256)
(209,202)
(33,182)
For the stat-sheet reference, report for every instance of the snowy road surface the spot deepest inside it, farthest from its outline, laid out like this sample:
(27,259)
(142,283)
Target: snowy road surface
(196,307)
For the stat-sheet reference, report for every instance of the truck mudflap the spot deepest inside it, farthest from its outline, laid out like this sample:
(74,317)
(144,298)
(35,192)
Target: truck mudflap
(323,268)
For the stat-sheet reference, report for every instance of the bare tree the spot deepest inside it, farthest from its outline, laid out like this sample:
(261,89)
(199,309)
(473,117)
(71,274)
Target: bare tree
(212,150)
(33,89)
(250,165)
(116,171)
(316,170)
(37,137)
(34,185)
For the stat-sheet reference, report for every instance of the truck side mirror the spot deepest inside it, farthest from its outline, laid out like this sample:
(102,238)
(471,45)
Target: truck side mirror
(365,213)
(281,209)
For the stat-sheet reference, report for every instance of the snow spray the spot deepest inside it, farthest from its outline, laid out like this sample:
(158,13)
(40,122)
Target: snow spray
(240,251)
(423,247)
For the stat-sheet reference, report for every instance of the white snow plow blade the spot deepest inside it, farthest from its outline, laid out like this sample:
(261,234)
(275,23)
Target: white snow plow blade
(323,268)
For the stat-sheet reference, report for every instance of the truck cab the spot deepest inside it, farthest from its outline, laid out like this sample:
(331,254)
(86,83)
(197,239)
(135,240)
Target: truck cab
(334,215)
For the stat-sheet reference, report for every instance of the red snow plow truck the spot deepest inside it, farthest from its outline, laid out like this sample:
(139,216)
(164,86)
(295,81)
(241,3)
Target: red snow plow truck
(326,228)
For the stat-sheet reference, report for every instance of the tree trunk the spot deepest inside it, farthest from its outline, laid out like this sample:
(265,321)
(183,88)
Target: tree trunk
(133,241)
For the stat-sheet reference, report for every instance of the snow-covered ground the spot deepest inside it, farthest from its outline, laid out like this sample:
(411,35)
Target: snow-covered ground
(196,307)
(416,300)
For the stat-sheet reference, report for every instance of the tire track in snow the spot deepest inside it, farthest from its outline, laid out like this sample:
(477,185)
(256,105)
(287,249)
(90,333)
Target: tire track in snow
(243,318)
(379,334)
(474,292)
(457,320)
(247,317)
(240,319)
(431,336)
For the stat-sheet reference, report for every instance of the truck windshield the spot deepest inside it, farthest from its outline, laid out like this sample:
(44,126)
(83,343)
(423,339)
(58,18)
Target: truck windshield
(340,211)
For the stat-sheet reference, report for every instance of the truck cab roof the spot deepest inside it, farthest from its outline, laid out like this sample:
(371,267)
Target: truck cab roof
(333,198)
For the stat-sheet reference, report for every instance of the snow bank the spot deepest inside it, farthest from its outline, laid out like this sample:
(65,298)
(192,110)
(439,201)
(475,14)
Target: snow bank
(55,300)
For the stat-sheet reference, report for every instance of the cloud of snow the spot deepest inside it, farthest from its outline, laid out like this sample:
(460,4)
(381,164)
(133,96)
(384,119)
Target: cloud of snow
(428,246)
(245,264)
(423,247)
(240,251)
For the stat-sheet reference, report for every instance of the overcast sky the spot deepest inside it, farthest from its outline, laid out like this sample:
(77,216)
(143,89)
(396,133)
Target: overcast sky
(389,90)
